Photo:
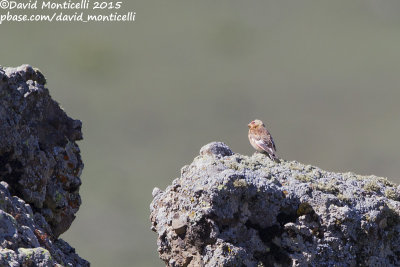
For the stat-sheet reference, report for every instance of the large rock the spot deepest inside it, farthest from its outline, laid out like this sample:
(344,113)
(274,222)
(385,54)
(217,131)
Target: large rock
(40,168)
(227,209)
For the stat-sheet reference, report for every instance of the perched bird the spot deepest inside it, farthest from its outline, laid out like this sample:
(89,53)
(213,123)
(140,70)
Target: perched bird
(261,139)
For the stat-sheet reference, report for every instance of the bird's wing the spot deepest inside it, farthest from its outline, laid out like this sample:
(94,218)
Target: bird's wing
(265,145)
(273,143)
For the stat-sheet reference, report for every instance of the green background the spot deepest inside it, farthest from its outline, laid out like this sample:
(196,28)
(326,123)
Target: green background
(323,75)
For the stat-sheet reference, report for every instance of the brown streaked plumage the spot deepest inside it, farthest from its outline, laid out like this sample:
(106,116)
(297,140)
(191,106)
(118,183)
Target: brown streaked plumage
(261,139)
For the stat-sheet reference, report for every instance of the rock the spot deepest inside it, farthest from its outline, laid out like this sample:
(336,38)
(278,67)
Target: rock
(179,224)
(40,168)
(156,191)
(228,209)
(217,149)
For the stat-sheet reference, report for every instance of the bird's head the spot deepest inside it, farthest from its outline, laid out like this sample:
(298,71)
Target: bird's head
(255,124)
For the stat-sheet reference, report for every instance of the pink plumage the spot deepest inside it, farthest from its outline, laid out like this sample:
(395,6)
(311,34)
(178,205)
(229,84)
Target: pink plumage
(261,139)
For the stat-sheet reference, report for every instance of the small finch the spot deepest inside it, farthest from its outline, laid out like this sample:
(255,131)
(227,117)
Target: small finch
(261,139)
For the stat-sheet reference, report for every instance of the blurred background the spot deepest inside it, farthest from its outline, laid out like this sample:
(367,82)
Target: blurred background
(323,75)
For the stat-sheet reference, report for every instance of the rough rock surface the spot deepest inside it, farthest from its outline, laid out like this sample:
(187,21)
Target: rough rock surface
(227,209)
(40,166)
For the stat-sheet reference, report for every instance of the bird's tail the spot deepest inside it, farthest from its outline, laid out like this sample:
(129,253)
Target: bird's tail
(273,156)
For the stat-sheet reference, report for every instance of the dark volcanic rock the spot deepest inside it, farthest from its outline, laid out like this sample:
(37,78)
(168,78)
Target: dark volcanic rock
(233,210)
(40,168)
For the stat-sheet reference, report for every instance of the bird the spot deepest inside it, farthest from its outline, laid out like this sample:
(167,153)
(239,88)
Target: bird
(261,139)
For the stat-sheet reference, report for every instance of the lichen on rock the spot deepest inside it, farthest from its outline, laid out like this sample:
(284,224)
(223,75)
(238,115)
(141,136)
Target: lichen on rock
(228,209)
(40,168)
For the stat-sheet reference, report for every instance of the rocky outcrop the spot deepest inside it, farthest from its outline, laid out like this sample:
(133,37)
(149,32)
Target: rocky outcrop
(40,168)
(228,209)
